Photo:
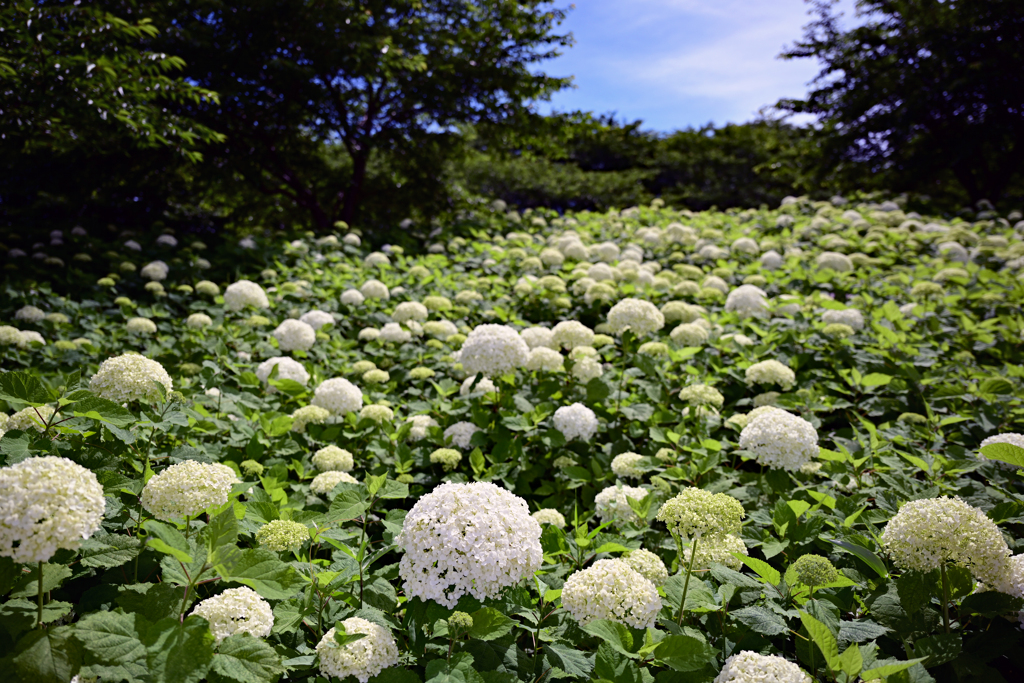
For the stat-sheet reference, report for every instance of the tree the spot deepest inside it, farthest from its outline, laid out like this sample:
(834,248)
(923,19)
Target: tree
(75,77)
(363,79)
(918,88)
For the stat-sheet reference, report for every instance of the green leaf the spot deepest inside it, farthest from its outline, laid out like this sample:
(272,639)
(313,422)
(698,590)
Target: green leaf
(875,379)
(615,634)
(153,601)
(996,385)
(347,505)
(761,619)
(860,631)
(991,604)
(886,670)
(569,659)
(222,530)
(1004,452)
(824,639)
(851,661)
(264,572)
(28,584)
(869,558)
(178,652)
(15,446)
(48,656)
(373,483)
(763,569)
(938,649)
(916,589)
(22,387)
(109,550)
(113,651)
(103,410)
(490,624)
(246,659)
(684,653)
(168,540)
(19,614)
(343,638)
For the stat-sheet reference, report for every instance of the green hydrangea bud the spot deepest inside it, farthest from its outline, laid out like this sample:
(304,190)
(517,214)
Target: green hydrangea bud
(448,458)
(251,468)
(105,282)
(815,570)
(190,369)
(459,622)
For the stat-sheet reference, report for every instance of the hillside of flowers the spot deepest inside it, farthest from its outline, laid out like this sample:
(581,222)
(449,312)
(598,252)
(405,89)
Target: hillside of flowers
(643,446)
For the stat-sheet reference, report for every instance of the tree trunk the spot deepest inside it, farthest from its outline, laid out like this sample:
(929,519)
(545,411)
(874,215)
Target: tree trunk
(353,196)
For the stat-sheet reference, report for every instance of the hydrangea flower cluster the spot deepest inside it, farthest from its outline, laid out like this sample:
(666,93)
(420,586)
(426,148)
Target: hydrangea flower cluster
(690,334)
(926,534)
(642,317)
(569,334)
(461,539)
(538,337)
(612,505)
(326,481)
(287,368)
(338,396)
(648,565)
(550,516)
(484,386)
(751,667)
(747,301)
(611,590)
(575,422)
(624,465)
(237,610)
(460,434)
(780,439)
(849,316)
(448,458)
(696,513)
(139,326)
(295,335)
(186,489)
(47,503)
(420,425)
(363,658)
(815,570)
(493,350)
(307,415)
(771,372)
(198,321)
(701,395)
(129,377)
(331,458)
(282,534)
(377,413)
(716,550)
(245,293)
(543,359)
(30,418)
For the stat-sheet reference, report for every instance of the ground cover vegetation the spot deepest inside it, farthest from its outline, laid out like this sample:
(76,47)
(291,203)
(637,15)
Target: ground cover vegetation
(647,445)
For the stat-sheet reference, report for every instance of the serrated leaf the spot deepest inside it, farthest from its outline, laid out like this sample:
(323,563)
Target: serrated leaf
(886,670)
(154,601)
(47,656)
(264,572)
(860,631)
(178,652)
(101,409)
(347,505)
(113,651)
(869,558)
(761,620)
(166,539)
(1004,452)
(684,653)
(21,387)
(619,637)
(762,568)
(490,624)
(109,550)
(570,660)
(28,584)
(823,638)
(246,659)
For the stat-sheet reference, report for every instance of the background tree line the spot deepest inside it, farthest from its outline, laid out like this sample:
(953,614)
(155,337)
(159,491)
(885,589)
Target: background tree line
(217,115)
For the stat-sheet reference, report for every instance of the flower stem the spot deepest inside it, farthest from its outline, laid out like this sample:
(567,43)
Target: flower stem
(686,582)
(945,597)
(39,604)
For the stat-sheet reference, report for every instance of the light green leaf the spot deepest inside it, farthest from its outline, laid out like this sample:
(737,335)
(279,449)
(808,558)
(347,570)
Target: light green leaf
(615,634)
(22,387)
(1004,452)
(763,569)
(824,639)
(490,624)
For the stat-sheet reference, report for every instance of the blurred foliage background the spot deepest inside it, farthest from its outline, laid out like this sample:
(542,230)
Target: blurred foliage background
(219,118)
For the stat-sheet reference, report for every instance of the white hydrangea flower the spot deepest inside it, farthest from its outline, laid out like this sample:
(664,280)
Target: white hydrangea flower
(237,610)
(375,289)
(47,503)
(363,658)
(317,319)
(575,421)
(420,425)
(410,310)
(198,321)
(393,332)
(167,241)
(11,336)
(244,293)
(780,439)
(460,434)
(493,350)
(369,334)
(155,271)
(338,396)
(326,481)
(624,465)
(30,418)
(30,314)
(130,377)
(377,413)
(287,368)
(701,395)
(716,550)
(440,329)
(550,516)
(352,239)
(484,386)
(926,534)
(690,334)
(569,334)
(612,590)
(840,263)
(771,372)
(295,335)
(352,297)
(186,489)
(648,565)
(698,513)
(137,326)
(545,359)
(747,301)
(376,258)
(474,539)
(850,316)
(331,458)
(771,260)
(751,667)
(612,505)
(642,317)
(586,369)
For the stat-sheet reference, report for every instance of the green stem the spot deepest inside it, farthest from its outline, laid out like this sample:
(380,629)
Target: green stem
(686,583)
(945,597)
(39,609)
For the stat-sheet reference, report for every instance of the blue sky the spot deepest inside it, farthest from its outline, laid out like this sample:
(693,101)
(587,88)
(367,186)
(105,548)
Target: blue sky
(679,63)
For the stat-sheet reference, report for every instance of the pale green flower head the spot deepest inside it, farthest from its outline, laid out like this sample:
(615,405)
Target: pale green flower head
(696,513)
(281,534)
(815,570)
(448,458)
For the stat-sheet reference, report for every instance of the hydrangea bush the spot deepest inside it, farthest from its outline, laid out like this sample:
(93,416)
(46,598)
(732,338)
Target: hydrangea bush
(648,445)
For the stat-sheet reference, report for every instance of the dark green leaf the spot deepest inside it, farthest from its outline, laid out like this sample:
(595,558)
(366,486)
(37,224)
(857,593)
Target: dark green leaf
(264,572)
(245,659)
(48,656)
(22,387)
(684,653)
(113,651)
(490,624)
(178,652)
(761,620)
